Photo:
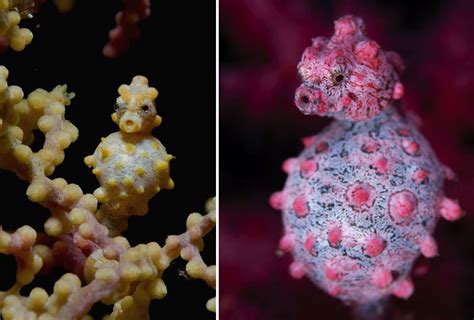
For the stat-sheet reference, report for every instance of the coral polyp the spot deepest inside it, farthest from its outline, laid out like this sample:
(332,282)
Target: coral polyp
(362,200)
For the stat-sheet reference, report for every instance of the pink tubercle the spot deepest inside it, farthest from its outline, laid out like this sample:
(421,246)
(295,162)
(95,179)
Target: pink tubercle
(289,165)
(398,91)
(345,26)
(297,270)
(321,147)
(311,53)
(361,195)
(277,200)
(374,246)
(331,273)
(309,243)
(335,236)
(428,247)
(403,288)
(450,209)
(382,278)
(381,165)
(346,100)
(287,242)
(367,52)
(411,147)
(420,176)
(308,141)
(301,207)
(370,147)
(308,167)
(402,205)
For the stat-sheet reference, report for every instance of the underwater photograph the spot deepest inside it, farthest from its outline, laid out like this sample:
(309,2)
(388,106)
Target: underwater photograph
(346,182)
(108,158)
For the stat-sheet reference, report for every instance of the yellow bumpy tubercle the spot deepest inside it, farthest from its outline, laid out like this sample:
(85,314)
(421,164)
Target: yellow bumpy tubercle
(131,165)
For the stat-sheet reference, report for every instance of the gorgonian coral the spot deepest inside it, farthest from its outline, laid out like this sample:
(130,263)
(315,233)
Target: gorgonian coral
(362,200)
(101,264)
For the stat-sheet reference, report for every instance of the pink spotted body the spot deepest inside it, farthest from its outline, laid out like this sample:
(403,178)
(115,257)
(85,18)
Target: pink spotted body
(362,200)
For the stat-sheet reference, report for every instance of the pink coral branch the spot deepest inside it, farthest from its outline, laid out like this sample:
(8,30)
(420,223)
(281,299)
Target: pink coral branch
(70,256)
(81,301)
(3,44)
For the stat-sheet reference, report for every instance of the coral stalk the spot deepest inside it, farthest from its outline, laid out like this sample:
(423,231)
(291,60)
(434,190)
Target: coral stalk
(127,29)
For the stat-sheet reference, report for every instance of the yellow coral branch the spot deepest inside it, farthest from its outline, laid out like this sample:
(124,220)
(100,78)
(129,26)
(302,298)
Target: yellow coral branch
(189,244)
(10,17)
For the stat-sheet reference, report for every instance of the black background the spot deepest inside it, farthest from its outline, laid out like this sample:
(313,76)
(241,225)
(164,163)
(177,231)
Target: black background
(177,54)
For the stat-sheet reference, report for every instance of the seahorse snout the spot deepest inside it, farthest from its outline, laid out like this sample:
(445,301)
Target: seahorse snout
(310,101)
(131,122)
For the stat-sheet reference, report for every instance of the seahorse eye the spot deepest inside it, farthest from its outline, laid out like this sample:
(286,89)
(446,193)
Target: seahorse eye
(145,108)
(339,78)
(119,108)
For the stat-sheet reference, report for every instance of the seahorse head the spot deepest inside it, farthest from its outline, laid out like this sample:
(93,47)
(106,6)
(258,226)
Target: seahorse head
(348,76)
(135,109)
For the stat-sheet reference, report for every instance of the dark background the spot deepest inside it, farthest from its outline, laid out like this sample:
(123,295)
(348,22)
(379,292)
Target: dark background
(177,54)
(261,43)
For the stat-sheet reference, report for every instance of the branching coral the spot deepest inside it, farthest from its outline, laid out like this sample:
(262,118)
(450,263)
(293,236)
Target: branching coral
(101,267)
(126,31)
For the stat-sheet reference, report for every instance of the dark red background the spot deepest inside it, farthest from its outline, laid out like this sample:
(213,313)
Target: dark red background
(260,44)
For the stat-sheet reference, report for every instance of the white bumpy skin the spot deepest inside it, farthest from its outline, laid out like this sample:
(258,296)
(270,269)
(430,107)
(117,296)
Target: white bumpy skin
(131,165)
